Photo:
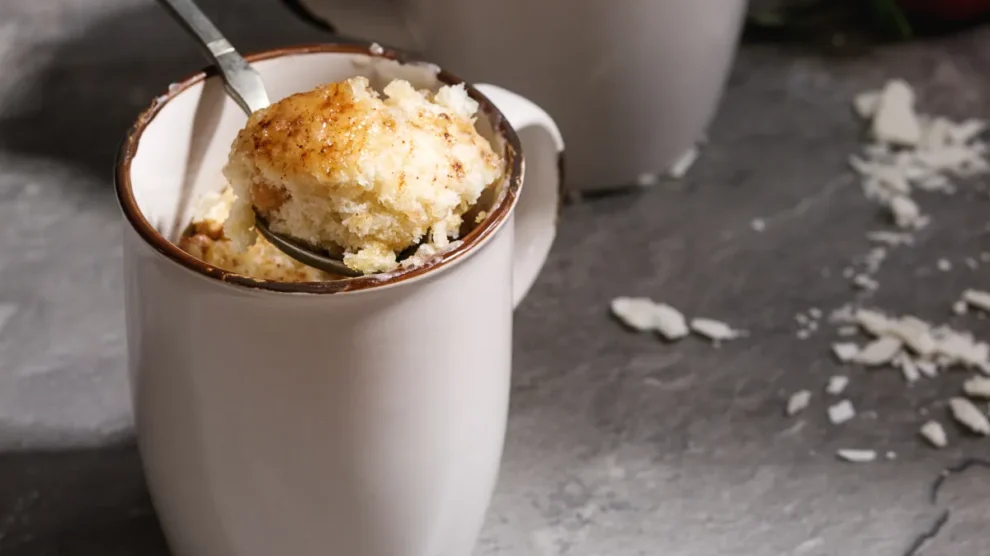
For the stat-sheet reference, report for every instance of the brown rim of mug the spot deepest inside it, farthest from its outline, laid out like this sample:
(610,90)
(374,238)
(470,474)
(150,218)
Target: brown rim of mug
(511,182)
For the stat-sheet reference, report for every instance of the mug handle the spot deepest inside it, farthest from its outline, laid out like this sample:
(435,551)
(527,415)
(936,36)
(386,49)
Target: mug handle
(368,20)
(539,200)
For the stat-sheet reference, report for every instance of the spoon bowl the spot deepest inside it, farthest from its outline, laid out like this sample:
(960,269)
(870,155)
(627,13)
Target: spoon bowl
(245,85)
(302,252)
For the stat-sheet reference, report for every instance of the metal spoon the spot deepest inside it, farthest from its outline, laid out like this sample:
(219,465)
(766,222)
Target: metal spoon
(244,84)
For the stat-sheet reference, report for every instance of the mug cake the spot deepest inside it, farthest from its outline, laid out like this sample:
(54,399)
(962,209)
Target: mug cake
(371,176)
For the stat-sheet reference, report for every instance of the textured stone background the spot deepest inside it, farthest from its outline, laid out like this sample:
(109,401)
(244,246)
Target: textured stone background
(618,444)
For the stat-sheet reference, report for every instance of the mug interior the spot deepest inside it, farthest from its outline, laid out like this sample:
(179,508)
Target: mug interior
(176,152)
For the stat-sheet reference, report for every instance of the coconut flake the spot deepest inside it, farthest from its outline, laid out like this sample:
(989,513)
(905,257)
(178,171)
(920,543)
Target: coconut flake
(978,299)
(891,238)
(635,312)
(960,348)
(865,282)
(798,402)
(878,352)
(715,330)
(874,322)
(643,314)
(934,433)
(908,368)
(847,331)
(913,151)
(906,212)
(927,368)
(845,351)
(857,456)
(895,121)
(670,322)
(968,415)
(912,331)
(977,387)
(841,412)
(915,333)
(941,345)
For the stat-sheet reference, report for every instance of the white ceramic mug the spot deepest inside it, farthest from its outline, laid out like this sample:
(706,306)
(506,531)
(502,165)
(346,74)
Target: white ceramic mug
(363,417)
(633,84)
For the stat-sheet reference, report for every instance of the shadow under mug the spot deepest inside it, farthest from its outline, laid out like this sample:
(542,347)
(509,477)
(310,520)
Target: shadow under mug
(363,417)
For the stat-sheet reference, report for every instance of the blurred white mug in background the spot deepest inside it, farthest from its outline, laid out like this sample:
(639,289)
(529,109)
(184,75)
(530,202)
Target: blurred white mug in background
(633,84)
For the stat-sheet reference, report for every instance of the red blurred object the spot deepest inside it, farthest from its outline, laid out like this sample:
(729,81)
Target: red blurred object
(956,11)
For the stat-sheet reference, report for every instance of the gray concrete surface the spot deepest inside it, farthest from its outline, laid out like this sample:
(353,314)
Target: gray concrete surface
(618,444)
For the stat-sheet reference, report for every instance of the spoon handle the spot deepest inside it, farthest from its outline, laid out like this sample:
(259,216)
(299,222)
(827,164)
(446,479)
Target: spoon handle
(242,81)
